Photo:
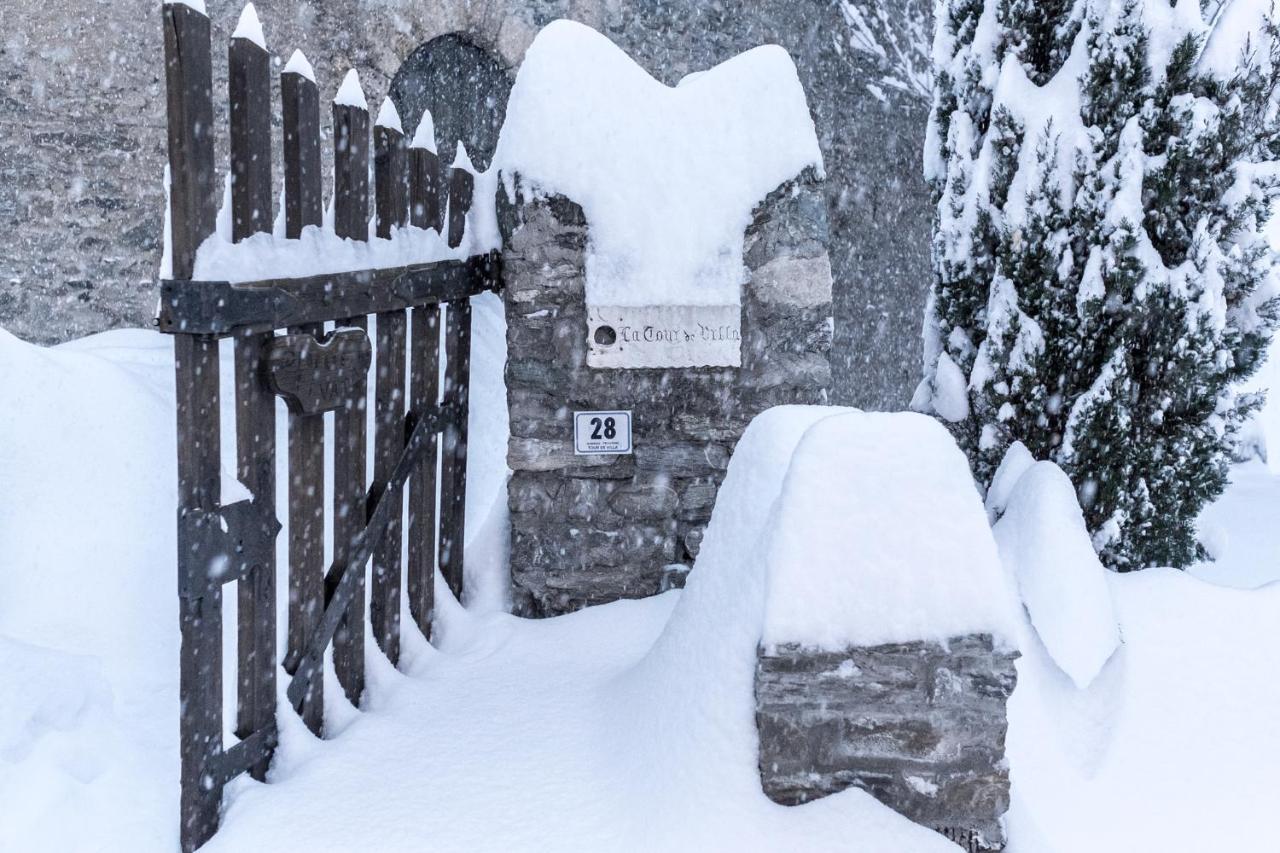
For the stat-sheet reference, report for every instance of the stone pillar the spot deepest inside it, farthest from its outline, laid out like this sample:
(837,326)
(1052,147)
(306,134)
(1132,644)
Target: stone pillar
(591,529)
(920,726)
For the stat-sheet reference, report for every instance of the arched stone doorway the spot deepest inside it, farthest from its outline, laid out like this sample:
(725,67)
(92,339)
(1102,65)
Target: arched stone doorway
(464,86)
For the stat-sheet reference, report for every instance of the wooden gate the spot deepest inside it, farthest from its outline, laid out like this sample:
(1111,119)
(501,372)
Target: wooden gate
(305,339)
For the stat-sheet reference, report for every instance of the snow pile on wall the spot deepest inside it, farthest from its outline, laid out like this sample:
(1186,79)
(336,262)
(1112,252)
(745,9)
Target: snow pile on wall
(667,177)
(1044,543)
(1173,747)
(701,670)
(880,537)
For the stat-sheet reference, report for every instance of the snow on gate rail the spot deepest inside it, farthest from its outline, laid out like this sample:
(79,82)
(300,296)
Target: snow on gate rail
(407,265)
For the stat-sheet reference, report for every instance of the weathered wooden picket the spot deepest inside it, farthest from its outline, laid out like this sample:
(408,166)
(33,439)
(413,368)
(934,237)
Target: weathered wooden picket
(316,370)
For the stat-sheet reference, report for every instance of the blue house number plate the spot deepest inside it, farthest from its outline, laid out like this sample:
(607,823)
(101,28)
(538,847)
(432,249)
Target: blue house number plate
(599,433)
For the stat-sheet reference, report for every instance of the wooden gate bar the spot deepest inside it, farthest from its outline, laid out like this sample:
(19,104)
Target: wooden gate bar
(453,465)
(391,210)
(391,206)
(300,105)
(388,443)
(219,307)
(461,190)
(189,84)
(249,95)
(350,423)
(301,141)
(424,185)
(424,391)
(424,382)
(306,539)
(351,171)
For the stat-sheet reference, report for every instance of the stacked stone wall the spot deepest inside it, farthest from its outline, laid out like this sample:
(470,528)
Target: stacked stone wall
(920,726)
(591,529)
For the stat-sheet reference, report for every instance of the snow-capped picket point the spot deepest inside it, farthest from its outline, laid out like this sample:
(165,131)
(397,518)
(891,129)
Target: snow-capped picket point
(249,27)
(1044,543)
(462,159)
(425,136)
(876,564)
(350,94)
(667,177)
(389,116)
(194,5)
(299,64)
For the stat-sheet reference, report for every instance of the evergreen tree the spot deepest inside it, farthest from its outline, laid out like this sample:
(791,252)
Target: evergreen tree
(1101,280)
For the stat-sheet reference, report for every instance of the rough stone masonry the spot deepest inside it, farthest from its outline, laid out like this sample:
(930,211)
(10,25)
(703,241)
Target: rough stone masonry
(920,726)
(591,529)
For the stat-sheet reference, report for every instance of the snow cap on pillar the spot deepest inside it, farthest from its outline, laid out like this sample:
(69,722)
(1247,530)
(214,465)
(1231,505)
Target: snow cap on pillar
(298,64)
(350,94)
(389,117)
(462,160)
(249,27)
(425,136)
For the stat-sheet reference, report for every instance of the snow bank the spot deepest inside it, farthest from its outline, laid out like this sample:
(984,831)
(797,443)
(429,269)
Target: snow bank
(389,116)
(299,64)
(880,537)
(522,727)
(690,701)
(317,251)
(667,177)
(1044,543)
(1238,28)
(1173,747)
(88,595)
(351,93)
(1239,529)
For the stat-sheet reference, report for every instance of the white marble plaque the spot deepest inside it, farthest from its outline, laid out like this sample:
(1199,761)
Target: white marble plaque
(664,336)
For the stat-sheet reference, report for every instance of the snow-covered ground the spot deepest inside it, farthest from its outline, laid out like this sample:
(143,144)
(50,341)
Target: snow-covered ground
(522,735)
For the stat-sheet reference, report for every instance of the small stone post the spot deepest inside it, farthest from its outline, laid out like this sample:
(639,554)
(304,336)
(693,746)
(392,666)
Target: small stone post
(920,726)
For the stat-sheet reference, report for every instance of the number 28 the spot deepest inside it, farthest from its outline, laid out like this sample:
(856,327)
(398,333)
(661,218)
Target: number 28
(610,428)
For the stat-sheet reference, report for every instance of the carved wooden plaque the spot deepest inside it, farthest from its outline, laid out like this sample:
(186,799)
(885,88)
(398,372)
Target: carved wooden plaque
(317,376)
(664,336)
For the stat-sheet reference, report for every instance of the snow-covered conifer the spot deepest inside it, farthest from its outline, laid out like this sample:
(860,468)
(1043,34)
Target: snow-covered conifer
(1102,283)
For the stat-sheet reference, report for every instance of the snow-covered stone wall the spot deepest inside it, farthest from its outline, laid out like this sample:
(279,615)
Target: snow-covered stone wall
(921,726)
(887,649)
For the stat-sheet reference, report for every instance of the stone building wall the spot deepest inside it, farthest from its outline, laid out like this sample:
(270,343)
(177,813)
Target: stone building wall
(920,726)
(82,140)
(591,529)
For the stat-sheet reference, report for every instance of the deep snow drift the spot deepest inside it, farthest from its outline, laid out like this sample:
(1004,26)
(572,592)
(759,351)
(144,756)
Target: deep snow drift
(521,729)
